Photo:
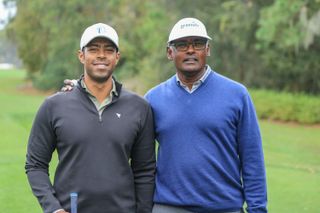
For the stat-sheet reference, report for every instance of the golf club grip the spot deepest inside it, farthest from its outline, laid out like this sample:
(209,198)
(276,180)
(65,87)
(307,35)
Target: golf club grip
(74,201)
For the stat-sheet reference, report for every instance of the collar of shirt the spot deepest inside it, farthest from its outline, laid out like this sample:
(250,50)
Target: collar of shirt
(196,84)
(100,106)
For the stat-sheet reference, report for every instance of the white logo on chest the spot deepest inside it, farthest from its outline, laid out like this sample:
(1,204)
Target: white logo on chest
(118,115)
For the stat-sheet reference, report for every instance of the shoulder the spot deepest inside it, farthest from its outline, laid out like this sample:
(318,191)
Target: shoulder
(61,96)
(228,84)
(227,81)
(160,88)
(54,98)
(62,99)
(49,104)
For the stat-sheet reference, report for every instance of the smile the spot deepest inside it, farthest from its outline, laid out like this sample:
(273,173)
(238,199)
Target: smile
(100,65)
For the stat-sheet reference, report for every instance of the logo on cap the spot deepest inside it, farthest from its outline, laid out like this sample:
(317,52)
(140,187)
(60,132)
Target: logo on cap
(187,27)
(193,24)
(101,29)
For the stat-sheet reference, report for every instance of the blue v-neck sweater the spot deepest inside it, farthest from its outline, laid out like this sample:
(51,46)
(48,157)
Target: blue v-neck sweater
(210,156)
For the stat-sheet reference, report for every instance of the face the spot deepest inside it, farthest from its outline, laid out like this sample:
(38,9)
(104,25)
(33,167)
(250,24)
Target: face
(99,58)
(189,55)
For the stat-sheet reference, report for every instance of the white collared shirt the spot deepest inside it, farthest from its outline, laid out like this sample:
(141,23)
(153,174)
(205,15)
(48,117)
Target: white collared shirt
(196,84)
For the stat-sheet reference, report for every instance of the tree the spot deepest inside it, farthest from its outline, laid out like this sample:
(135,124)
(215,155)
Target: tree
(47,33)
(143,29)
(262,43)
(288,41)
(48,41)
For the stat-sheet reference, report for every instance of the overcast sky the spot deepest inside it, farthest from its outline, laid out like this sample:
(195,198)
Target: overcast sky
(4,14)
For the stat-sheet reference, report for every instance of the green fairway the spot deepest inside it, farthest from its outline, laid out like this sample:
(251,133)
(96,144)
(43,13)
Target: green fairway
(292,155)
(16,115)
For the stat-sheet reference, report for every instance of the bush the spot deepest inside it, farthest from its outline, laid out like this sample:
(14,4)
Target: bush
(285,106)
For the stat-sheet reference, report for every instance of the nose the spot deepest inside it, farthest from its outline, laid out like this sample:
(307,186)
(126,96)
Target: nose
(190,44)
(101,53)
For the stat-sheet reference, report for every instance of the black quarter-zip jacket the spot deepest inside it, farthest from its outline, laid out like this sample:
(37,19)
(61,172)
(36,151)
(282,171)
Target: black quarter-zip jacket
(108,161)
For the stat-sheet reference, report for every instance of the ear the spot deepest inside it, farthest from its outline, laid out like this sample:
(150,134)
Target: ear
(117,57)
(169,53)
(81,56)
(208,50)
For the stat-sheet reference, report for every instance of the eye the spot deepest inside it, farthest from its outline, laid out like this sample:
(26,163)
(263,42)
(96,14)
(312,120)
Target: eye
(181,44)
(199,43)
(92,49)
(110,49)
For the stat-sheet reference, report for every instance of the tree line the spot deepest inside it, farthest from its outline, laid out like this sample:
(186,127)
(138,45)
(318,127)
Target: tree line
(270,44)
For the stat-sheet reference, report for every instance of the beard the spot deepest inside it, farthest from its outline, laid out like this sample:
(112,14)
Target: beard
(99,77)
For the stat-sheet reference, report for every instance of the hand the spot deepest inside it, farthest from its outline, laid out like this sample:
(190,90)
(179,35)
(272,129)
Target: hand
(68,85)
(62,211)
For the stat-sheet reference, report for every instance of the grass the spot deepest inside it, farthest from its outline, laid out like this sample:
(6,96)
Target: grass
(16,116)
(292,155)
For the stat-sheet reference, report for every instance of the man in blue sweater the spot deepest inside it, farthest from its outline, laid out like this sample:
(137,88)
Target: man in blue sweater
(210,156)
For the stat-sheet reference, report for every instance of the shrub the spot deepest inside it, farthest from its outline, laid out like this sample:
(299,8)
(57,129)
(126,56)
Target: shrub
(285,106)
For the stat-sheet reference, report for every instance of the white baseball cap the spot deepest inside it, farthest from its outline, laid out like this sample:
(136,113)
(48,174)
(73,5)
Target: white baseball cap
(187,27)
(99,30)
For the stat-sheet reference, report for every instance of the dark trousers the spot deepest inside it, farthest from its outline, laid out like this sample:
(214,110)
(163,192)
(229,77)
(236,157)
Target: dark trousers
(159,208)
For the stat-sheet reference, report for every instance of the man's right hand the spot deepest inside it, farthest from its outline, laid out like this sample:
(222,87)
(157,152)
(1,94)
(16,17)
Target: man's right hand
(61,211)
(68,85)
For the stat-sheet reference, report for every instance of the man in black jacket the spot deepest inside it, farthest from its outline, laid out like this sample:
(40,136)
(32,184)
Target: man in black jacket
(103,135)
